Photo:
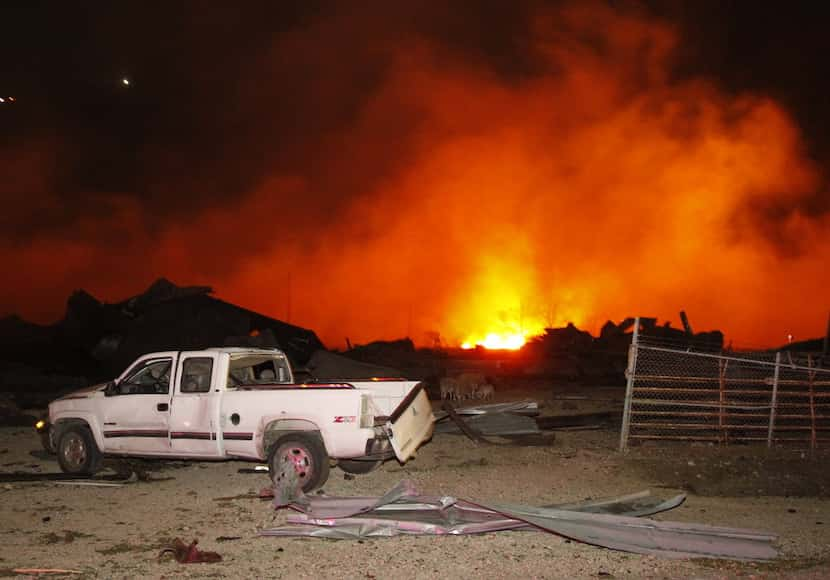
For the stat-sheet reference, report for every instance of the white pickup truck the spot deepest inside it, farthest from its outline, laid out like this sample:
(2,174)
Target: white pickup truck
(240,403)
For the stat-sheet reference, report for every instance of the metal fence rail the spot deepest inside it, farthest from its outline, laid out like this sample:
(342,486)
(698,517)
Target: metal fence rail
(689,393)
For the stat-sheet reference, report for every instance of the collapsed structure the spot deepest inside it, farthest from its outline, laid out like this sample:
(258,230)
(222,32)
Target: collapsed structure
(96,340)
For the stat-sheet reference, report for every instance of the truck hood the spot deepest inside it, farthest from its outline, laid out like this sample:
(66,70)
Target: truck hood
(84,393)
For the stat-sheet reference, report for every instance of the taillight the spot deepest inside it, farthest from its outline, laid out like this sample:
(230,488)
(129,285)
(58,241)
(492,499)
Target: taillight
(367,415)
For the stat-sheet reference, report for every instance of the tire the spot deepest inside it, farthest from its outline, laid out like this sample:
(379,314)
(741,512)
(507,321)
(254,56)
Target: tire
(77,452)
(307,453)
(358,466)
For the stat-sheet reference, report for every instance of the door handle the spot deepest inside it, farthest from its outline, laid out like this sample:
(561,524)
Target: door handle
(162,406)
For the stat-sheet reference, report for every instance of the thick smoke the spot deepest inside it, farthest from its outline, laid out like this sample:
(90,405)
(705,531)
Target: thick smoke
(371,175)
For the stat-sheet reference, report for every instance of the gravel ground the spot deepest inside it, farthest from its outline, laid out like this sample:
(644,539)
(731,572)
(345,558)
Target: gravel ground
(117,532)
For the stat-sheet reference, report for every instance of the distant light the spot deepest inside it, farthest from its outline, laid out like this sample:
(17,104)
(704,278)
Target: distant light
(125,81)
(2,100)
(12,99)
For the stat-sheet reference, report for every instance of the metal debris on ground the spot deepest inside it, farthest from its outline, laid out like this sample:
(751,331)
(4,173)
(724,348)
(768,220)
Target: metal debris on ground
(525,407)
(89,483)
(38,571)
(499,420)
(615,523)
(255,469)
(516,419)
(64,478)
(458,424)
(286,483)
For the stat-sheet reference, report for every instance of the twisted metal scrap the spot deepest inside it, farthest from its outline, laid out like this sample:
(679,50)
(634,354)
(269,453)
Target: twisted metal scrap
(616,523)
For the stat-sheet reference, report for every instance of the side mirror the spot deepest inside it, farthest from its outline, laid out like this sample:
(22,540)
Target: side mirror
(111,389)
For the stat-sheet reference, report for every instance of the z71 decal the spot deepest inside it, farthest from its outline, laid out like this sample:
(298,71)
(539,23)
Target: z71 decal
(345,419)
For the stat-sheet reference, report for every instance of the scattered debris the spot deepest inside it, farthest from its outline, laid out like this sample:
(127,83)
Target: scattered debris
(255,469)
(189,553)
(287,486)
(95,340)
(496,424)
(470,432)
(525,407)
(509,420)
(513,420)
(228,538)
(25,477)
(38,571)
(269,493)
(89,483)
(615,523)
(582,420)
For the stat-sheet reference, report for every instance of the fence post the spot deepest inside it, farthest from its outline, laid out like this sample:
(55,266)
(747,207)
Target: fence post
(811,377)
(774,399)
(723,364)
(629,386)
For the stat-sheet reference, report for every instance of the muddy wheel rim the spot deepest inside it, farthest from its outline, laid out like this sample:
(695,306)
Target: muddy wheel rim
(74,451)
(300,458)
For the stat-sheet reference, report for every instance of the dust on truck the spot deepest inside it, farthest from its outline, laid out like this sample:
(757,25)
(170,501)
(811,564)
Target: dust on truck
(239,403)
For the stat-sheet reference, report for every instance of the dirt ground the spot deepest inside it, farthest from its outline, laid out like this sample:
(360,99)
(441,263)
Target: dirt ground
(118,532)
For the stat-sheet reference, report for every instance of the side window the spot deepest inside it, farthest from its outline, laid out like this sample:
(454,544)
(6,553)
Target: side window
(149,377)
(257,369)
(196,374)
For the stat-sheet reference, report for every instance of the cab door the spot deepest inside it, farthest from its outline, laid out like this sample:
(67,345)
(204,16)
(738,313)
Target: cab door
(194,413)
(136,410)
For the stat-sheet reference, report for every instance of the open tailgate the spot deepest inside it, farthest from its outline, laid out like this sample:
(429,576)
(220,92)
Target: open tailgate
(411,423)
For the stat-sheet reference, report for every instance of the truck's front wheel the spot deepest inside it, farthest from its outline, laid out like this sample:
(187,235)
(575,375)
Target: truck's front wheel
(77,452)
(306,454)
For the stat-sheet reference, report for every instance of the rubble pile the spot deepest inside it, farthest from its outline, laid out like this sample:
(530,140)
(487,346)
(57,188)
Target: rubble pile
(95,340)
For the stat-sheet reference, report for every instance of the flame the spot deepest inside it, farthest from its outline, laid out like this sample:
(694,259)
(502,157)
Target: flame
(497,341)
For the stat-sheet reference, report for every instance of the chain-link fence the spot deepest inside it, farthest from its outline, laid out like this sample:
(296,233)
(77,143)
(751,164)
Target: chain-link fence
(687,390)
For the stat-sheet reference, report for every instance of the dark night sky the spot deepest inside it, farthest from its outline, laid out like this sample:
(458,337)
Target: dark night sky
(194,69)
(224,96)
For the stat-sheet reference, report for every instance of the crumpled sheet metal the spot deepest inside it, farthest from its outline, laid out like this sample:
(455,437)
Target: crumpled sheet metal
(493,424)
(525,407)
(647,536)
(608,523)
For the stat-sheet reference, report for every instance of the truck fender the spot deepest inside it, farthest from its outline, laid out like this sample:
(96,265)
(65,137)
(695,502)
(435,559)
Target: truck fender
(272,428)
(83,418)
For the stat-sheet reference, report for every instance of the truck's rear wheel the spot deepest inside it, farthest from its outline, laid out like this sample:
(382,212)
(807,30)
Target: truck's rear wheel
(77,452)
(357,466)
(306,453)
